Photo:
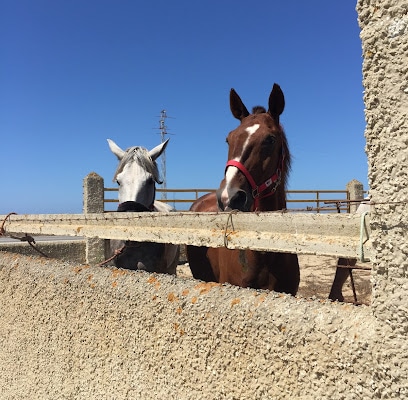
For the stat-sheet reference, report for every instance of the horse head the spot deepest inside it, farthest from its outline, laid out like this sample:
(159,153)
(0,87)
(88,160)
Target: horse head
(137,175)
(258,156)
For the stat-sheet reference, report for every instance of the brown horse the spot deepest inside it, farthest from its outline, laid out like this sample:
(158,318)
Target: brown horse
(255,179)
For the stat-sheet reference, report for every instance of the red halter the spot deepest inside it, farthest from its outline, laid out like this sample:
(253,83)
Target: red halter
(257,190)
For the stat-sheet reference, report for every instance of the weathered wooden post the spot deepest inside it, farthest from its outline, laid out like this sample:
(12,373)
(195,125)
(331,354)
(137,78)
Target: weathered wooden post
(93,196)
(356,190)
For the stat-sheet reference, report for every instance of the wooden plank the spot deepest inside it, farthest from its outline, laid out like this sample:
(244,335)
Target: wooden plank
(323,234)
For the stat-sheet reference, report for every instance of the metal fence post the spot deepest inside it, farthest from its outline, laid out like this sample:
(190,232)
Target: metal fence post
(356,190)
(93,197)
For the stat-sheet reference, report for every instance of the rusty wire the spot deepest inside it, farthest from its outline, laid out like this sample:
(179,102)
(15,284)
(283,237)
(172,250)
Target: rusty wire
(26,238)
(2,230)
(229,221)
(117,253)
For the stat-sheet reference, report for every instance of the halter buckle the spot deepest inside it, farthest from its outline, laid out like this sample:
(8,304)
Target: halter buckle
(278,180)
(255,192)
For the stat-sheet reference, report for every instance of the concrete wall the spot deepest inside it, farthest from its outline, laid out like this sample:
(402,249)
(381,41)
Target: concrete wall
(66,250)
(384,33)
(74,332)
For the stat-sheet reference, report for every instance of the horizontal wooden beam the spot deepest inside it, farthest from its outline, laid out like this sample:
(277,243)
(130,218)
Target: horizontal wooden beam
(338,235)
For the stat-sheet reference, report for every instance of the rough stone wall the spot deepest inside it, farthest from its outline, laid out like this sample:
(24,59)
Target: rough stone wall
(384,34)
(68,250)
(75,332)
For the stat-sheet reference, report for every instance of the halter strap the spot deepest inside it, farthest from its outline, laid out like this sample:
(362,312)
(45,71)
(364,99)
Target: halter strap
(257,190)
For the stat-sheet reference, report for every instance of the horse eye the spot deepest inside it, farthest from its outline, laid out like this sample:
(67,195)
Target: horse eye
(118,182)
(226,140)
(269,140)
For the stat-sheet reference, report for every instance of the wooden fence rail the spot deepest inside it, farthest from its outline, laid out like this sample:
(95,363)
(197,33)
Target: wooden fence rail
(340,235)
(296,199)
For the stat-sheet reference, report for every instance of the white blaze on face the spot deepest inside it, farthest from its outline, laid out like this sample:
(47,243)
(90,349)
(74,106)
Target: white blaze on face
(131,184)
(252,129)
(231,170)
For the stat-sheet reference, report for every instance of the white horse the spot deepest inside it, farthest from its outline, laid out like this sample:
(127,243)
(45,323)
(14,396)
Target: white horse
(137,175)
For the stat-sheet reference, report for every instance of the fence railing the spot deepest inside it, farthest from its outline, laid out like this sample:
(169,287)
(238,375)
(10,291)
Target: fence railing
(302,200)
(341,235)
(95,201)
(314,233)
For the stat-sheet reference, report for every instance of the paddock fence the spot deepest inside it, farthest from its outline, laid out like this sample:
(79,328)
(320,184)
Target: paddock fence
(316,232)
(320,201)
(344,235)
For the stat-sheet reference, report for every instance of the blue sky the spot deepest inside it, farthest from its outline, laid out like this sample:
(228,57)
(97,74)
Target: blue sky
(74,73)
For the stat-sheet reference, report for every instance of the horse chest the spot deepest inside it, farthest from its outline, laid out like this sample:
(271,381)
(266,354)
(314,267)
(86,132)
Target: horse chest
(243,267)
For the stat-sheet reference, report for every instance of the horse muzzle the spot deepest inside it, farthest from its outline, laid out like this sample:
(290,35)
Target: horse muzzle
(131,206)
(237,200)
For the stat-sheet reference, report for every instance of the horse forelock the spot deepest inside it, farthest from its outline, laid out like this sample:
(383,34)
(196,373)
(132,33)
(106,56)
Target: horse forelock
(258,110)
(141,156)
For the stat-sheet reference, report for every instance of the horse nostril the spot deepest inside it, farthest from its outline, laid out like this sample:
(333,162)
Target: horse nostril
(238,201)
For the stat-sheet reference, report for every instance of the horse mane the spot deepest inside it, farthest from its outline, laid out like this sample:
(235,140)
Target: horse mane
(142,157)
(287,162)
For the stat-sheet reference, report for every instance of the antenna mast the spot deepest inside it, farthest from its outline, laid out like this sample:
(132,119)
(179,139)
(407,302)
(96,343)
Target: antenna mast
(163,133)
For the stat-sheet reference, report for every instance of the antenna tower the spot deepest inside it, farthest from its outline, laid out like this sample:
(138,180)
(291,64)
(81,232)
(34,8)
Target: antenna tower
(163,133)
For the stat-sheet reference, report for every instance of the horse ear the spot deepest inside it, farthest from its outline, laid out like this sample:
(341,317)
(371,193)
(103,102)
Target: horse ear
(158,150)
(276,102)
(238,109)
(115,149)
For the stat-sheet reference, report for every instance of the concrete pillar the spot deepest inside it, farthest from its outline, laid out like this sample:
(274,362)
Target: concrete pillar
(93,196)
(355,190)
(93,192)
(384,34)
